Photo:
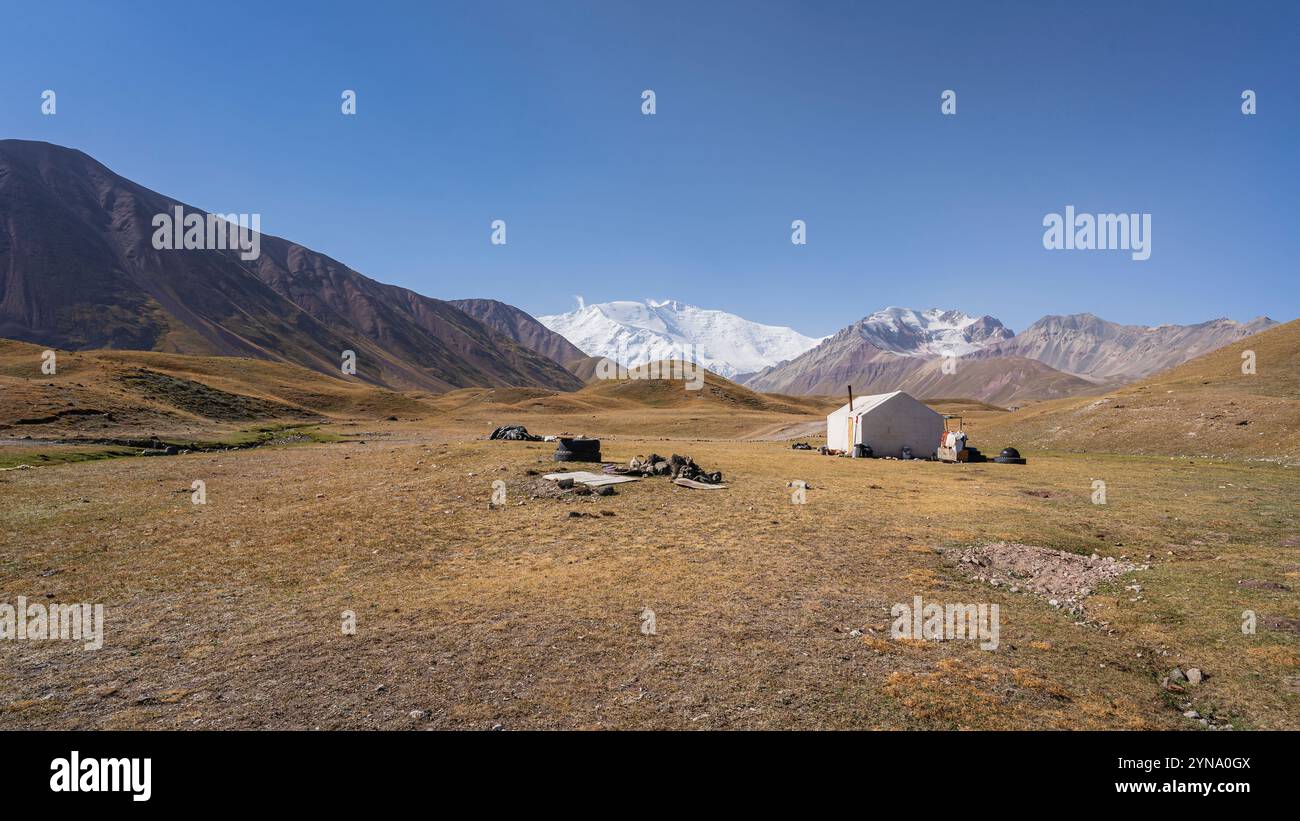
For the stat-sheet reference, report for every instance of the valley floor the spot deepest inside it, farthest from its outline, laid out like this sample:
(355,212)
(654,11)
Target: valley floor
(768,614)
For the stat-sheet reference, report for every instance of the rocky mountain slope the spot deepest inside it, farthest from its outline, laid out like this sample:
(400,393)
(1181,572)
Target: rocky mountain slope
(78,270)
(904,349)
(522,328)
(933,332)
(1091,347)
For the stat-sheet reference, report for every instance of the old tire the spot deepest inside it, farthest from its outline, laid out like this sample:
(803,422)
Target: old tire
(562,455)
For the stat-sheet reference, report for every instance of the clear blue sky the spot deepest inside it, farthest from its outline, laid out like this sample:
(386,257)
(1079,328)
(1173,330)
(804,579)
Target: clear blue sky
(767,112)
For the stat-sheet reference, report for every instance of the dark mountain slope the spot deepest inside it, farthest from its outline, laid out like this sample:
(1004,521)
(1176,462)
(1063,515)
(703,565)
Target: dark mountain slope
(78,270)
(522,328)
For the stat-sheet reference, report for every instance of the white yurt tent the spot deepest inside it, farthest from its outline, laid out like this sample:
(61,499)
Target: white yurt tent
(886,422)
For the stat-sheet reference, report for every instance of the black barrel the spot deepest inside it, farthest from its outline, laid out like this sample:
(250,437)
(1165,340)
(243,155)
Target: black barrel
(572,449)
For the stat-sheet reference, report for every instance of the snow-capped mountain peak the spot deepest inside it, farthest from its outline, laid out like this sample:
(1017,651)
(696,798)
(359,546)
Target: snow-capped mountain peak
(932,332)
(633,333)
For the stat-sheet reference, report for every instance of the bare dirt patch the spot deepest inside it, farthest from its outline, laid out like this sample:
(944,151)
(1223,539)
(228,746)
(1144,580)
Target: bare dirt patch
(1065,579)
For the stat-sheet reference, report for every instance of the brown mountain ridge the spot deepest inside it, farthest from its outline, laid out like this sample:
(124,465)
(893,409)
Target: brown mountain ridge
(78,270)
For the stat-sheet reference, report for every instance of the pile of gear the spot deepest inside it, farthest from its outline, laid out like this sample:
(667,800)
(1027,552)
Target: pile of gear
(954,447)
(514,432)
(675,467)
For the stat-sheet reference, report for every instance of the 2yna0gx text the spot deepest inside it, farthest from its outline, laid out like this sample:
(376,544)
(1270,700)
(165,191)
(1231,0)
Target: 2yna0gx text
(1186,763)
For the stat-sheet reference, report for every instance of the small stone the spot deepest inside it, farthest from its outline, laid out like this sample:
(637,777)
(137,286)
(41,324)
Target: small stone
(1191,714)
(1193,675)
(418,715)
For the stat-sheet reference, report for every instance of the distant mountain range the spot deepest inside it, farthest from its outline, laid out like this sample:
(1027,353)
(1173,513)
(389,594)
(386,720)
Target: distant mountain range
(898,349)
(634,333)
(79,270)
(1085,345)
(1057,356)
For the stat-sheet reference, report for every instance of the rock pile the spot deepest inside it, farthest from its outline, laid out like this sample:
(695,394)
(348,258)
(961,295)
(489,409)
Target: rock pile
(1064,579)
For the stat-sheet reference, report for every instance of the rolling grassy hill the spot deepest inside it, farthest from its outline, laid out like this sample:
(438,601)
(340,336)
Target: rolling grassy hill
(632,406)
(1206,407)
(127,393)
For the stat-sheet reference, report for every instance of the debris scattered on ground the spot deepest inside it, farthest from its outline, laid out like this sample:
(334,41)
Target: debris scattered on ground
(567,480)
(691,483)
(677,467)
(517,433)
(801,446)
(1063,578)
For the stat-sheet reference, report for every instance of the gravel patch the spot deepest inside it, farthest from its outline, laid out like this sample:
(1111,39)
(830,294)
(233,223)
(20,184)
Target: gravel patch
(1064,579)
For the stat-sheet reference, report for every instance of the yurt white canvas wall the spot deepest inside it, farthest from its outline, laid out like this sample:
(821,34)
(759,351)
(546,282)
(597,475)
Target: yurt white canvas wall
(886,422)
